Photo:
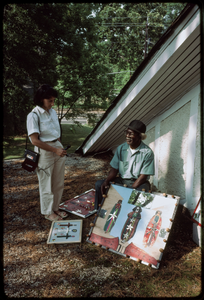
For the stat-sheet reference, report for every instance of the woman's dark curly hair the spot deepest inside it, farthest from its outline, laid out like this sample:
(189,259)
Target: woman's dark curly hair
(44,92)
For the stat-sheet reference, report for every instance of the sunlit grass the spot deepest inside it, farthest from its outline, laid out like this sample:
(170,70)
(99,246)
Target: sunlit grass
(74,135)
(13,147)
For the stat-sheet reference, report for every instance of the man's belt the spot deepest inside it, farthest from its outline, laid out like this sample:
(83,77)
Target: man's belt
(131,179)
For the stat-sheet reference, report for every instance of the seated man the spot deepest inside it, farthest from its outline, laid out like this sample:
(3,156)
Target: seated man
(133,160)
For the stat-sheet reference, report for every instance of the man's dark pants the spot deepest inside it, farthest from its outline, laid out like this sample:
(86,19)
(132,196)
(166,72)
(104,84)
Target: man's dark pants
(119,180)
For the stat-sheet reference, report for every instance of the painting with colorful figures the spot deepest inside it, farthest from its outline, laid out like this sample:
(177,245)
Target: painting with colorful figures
(134,224)
(65,231)
(81,205)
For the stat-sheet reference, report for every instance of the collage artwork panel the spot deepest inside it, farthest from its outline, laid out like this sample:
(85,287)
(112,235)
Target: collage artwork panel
(65,231)
(81,205)
(134,223)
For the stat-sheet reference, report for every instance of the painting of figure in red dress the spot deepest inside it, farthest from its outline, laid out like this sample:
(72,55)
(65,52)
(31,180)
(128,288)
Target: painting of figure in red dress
(130,226)
(112,217)
(152,229)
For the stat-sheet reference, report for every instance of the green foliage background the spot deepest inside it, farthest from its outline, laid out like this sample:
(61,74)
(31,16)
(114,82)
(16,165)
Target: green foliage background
(87,51)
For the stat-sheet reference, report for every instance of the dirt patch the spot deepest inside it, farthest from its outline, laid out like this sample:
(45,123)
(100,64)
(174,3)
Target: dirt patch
(33,268)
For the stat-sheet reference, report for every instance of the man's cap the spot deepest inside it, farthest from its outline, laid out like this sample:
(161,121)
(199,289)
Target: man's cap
(137,125)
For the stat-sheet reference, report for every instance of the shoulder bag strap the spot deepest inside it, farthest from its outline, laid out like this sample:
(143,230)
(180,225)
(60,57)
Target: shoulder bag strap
(38,126)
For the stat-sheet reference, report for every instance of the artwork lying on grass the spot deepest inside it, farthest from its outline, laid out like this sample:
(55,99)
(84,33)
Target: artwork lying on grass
(134,224)
(65,231)
(81,205)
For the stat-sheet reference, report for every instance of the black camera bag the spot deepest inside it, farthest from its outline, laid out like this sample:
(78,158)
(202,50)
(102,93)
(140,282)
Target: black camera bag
(31,158)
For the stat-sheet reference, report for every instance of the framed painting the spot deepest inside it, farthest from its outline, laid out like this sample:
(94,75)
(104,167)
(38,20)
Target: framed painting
(81,205)
(65,231)
(134,224)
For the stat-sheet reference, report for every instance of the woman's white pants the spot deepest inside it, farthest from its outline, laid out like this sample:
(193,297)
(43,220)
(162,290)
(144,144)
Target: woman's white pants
(51,185)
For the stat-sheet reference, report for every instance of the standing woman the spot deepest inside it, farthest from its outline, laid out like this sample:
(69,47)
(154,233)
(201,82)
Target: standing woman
(44,132)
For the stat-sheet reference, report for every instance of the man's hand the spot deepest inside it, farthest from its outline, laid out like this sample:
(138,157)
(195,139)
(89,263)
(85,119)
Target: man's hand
(104,186)
(111,176)
(140,180)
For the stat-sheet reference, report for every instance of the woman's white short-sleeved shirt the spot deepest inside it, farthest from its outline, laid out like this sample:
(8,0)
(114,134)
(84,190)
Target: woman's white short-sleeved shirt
(45,123)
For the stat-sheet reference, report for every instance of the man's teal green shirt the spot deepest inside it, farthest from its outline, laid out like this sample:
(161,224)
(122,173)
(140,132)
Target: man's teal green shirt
(130,165)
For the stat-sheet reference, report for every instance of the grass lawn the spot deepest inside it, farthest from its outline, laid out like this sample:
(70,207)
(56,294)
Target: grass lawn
(14,146)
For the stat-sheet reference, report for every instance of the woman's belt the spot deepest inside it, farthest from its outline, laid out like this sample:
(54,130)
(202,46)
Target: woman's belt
(51,141)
